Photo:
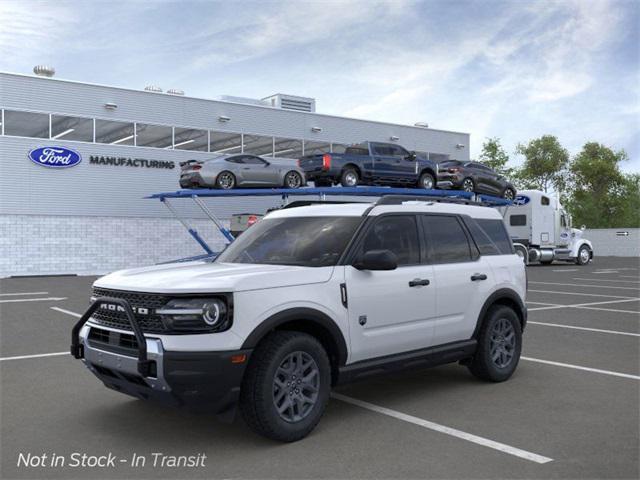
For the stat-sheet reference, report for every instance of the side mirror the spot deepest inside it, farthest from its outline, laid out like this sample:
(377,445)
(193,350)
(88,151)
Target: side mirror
(412,155)
(377,260)
(583,228)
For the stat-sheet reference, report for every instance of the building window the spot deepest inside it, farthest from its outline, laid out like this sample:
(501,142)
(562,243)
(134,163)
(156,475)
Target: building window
(26,124)
(225,143)
(157,136)
(287,148)
(114,133)
(313,148)
(438,157)
(190,139)
(338,147)
(71,128)
(258,145)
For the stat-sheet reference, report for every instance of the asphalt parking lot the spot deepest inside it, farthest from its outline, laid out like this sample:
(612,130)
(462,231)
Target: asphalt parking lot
(570,411)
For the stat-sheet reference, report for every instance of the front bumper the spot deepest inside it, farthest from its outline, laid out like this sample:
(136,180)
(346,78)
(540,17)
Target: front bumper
(199,381)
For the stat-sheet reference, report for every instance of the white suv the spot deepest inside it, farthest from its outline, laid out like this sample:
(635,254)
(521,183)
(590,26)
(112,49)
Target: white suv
(307,298)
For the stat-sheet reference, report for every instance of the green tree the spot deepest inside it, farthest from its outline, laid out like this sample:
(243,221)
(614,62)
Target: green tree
(494,156)
(601,196)
(545,164)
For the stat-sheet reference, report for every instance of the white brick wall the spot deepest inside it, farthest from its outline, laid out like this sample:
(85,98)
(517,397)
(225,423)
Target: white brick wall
(43,245)
(607,242)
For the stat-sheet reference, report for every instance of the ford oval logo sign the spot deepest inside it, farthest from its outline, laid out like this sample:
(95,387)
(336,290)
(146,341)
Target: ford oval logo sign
(521,200)
(55,157)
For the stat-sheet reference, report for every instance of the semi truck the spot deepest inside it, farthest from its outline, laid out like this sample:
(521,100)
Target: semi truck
(542,232)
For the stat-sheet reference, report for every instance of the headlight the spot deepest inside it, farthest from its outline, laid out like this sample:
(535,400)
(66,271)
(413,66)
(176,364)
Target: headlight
(196,314)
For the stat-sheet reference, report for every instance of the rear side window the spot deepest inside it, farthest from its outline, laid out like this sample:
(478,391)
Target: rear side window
(518,220)
(446,239)
(490,236)
(356,151)
(397,233)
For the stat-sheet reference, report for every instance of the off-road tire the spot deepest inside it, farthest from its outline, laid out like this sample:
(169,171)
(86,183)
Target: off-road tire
(257,392)
(482,365)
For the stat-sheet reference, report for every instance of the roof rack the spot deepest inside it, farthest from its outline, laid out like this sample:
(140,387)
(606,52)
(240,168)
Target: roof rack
(399,199)
(388,196)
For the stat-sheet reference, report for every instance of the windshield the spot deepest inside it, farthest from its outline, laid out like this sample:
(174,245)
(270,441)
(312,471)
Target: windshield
(303,241)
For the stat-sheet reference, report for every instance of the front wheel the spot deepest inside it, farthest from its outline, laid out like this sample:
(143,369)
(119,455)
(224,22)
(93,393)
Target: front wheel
(427,181)
(499,345)
(226,180)
(293,179)
(286,388)
(468,185)
(584,255)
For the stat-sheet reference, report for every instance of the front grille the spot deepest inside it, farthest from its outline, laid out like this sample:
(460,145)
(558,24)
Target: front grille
(116,342)
(150,323)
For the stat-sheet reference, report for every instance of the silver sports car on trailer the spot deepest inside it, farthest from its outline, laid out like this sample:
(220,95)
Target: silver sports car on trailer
(241,170)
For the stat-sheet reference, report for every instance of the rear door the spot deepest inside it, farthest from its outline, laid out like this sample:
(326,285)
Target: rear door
(390,311)
(463,279)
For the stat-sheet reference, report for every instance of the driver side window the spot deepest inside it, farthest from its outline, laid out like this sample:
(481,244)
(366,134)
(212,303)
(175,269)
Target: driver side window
(396,233)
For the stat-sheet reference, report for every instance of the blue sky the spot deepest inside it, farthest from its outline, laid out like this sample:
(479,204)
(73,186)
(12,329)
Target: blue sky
(514,70)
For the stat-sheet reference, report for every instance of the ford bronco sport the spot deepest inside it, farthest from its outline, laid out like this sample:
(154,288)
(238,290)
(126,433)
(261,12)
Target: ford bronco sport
(308,298)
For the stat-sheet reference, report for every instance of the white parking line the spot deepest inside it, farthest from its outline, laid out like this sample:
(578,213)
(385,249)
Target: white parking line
(587,286)
(23,357)
(580,294)
(579,367)
(572,327)
(566,270)
(68,312)
(586,305)
(23,293)
(610,310)
(485,442)
(538,303)
(628,276)
(48,299)
(605,272)
(604,280)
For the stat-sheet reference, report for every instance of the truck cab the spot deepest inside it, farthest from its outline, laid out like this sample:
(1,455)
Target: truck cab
(542,230)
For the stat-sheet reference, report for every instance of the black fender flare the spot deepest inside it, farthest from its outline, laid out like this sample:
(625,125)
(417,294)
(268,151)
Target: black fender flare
(307,316)
(512,297)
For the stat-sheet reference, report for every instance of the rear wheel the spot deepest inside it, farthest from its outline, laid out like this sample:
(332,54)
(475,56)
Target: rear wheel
(286,387)
(293,179)
(468,185)
(584,255)
(349,178)
(226,180)
(508,194)
(499,345)
(427,181)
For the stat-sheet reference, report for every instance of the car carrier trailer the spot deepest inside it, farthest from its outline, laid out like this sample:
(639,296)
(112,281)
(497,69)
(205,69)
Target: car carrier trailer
(321,193)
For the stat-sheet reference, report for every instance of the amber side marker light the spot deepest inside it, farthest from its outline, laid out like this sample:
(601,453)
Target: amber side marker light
(238,358)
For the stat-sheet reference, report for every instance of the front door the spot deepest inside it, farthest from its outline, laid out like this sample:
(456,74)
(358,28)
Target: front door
(391,311)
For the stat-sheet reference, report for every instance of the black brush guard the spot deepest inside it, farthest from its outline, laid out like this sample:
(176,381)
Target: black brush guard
(77,350)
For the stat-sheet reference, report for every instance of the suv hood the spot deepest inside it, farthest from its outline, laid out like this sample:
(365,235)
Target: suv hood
(206,277)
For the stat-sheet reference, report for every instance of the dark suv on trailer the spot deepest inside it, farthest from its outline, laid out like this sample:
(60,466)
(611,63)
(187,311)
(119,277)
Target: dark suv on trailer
(474,177)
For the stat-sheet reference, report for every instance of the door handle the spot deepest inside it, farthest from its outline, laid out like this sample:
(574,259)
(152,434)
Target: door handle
(478,276)
(419,282)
